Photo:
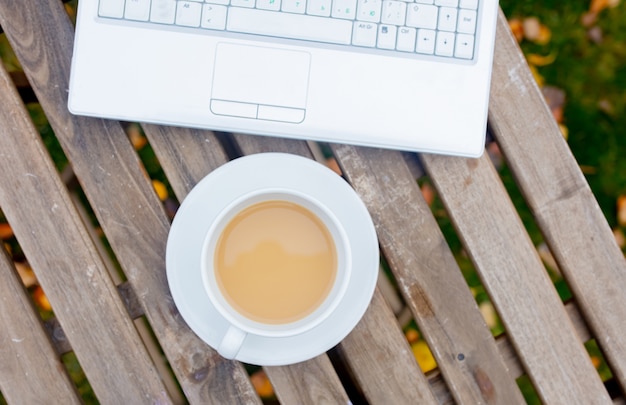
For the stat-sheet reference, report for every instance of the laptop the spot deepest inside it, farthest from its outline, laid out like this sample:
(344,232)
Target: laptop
(408,75)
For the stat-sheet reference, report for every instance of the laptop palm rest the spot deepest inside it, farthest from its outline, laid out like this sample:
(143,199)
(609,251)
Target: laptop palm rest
(260,83)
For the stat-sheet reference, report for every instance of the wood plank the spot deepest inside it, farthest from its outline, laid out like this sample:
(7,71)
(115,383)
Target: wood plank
(66,262)
(31,370)
(399,368)
(311,382)
(125,204)
(556,191)
(428,276)
(184,174)
(515,279)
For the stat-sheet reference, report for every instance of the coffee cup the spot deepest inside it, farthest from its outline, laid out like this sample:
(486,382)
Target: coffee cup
(276,262)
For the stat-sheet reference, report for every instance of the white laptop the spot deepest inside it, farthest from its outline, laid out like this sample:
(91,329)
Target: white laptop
(410,75)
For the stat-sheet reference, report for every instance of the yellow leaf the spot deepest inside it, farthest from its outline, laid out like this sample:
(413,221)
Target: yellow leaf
(538,78)
(598,5)
(160,189)
(412,335)
(262,384)
(540,60)
(621,210)
(517,29)
(41,300)
(5,231)
(423,355)
(488,313)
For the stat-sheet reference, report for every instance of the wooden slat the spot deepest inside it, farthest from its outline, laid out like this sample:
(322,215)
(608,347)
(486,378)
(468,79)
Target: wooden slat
(66,262)
(31,370)
(374,362)
(379,378)
(310,382)
(184,173)
(516,280)
(122,198)
(429,277)
(560,198)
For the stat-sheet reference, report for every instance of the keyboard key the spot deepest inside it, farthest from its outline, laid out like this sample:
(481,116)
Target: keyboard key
(425,41)
(222,2)
(188,13)
(138,10)
(387,36)
(394,12)
(471,4)
(406,39)
(421,16)
(319,7)
(425,1)
(288,25)
(243,3)
(464,46)
(268,4)
(447,3)
(368,10)
(447,19)
(111,8)
(445,44)
(467,21)
(344,9)
(364,34)
(213,17)
(163,11)
(294,6)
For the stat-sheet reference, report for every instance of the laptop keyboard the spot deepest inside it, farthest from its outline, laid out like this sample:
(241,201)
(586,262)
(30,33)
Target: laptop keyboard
(444,28)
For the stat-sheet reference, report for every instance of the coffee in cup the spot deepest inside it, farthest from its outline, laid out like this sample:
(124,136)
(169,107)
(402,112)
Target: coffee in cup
(275,263)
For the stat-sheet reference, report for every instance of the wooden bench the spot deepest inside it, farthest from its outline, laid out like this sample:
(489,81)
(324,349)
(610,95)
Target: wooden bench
(101,315)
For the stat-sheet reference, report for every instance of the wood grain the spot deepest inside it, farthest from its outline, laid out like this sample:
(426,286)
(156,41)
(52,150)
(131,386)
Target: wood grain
(66,262)
(31,370)
(428,276)
(516,280)
(374,362)
(560,198)
(392,365)
(122,197)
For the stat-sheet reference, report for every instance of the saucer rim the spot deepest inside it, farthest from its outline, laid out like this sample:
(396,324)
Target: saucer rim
(258,171)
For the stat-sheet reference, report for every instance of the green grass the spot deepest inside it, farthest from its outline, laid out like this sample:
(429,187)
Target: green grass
(593,76)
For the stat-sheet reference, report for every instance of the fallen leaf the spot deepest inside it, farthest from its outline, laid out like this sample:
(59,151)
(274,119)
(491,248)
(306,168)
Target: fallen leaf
(621,210)
(26,274)
(595,34)
(517,28)
(535,31)
(332,164)
(5,231)
(488,313)
(598,5)
(620,238)
(412,335)
(262,384)
(160,189)
(136,137)
(595,360)
(41,300)
(540,60)
(424,356)
(428,192)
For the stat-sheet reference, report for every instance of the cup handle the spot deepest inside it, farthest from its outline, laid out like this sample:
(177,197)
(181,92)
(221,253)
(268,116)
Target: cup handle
(231,342)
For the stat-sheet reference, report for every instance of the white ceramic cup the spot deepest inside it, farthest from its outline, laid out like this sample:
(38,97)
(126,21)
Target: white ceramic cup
(240,325)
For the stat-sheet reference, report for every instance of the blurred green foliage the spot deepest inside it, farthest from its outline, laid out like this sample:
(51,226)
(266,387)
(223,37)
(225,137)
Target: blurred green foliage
(590,66)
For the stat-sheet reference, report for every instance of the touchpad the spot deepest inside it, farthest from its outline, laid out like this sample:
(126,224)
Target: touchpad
(260,83)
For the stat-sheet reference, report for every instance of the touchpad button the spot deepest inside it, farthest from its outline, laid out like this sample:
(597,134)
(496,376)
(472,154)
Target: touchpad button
(259,82)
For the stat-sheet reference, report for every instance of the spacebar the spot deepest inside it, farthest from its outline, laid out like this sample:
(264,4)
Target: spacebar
(286,25)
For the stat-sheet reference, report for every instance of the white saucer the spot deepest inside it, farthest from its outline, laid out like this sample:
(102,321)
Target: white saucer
(241,176)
